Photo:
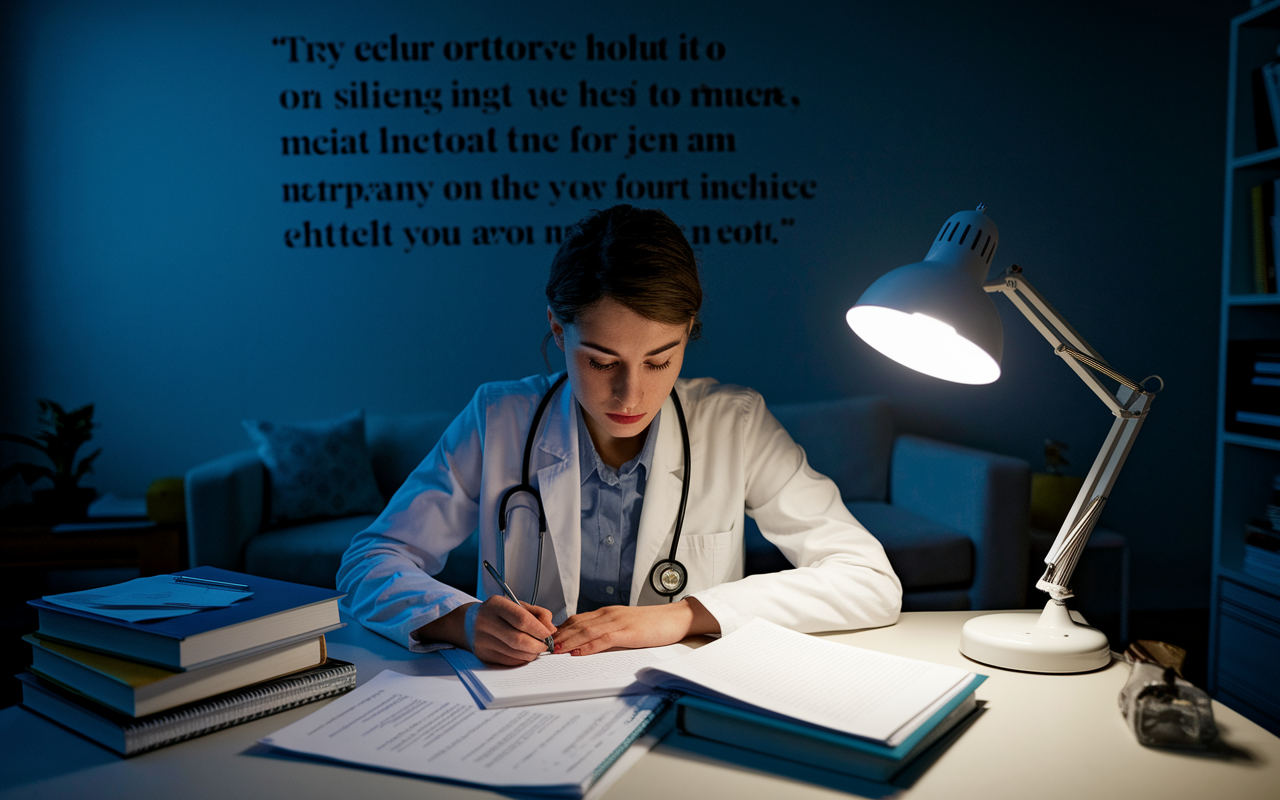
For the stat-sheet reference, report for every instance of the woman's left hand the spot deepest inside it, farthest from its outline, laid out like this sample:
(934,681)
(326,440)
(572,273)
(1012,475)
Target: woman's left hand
(633,626)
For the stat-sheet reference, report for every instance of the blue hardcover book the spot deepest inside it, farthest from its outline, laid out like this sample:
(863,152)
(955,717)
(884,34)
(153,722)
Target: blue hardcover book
(816,746)
(278,613)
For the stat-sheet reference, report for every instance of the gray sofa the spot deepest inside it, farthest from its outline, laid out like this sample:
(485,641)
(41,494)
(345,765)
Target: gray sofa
(953,520)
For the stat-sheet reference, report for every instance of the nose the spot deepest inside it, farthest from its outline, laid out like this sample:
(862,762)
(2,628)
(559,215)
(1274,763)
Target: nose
(628,389)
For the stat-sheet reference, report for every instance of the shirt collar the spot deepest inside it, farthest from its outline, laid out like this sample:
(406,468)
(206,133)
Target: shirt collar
(589,460)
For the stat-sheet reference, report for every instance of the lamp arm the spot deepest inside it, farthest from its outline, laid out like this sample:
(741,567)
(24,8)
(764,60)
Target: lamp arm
(1130,405)
(1067,343)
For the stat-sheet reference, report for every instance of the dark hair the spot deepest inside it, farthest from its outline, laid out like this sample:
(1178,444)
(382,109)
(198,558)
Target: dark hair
(636,256)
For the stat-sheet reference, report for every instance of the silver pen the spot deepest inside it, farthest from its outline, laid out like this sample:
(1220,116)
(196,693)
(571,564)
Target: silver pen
(550,641)
(239,587)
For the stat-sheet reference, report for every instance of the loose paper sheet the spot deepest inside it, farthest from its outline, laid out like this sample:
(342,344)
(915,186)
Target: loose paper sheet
(155,597)
(430,726)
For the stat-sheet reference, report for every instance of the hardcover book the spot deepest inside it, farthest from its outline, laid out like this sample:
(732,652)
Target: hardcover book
(278,613)
(138,689)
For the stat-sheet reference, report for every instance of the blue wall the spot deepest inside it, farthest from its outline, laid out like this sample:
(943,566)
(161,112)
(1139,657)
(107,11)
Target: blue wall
(146,267)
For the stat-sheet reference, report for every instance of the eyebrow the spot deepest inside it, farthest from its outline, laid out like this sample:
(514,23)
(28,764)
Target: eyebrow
(653,352)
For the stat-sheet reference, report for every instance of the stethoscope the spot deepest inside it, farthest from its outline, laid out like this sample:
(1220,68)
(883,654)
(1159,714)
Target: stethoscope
(668,576)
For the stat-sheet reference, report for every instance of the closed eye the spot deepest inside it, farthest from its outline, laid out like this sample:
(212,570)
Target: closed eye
(596,365)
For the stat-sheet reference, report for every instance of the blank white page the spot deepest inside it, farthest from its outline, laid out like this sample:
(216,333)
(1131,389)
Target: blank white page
(848,689)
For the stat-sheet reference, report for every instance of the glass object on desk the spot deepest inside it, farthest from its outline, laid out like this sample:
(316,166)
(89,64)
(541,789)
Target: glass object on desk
(1163,708)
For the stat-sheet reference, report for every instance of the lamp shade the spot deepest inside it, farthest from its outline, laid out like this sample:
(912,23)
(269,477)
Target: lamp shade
(934,316)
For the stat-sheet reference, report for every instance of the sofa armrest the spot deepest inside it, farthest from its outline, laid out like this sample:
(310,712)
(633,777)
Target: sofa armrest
(983,495)
(224,508)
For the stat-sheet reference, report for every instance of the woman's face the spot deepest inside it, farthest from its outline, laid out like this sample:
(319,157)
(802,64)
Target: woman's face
(621,366)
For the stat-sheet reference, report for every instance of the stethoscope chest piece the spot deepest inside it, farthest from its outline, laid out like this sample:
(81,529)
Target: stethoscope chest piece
(668,577)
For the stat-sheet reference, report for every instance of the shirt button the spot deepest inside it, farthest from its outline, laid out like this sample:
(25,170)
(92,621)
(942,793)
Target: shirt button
(608,590)
(608,540)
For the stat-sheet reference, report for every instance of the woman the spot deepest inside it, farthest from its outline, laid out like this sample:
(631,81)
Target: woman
(608,459)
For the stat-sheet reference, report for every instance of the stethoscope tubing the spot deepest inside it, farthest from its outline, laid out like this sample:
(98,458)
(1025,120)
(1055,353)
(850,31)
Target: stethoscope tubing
(526,486)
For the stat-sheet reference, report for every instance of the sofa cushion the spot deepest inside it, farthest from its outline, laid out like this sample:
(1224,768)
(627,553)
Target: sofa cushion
(399,442)
(923,553)
(312,552)
(309,553)
(847,440)
(316,469)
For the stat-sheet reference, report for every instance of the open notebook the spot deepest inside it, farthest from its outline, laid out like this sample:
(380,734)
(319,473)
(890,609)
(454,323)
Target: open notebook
(768,669)
(554,678)
(762,668)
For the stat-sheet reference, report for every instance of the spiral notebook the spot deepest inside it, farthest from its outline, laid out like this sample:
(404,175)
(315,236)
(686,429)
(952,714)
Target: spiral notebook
(129,735)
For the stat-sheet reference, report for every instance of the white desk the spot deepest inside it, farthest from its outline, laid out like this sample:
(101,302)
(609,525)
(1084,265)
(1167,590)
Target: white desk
(1040,736)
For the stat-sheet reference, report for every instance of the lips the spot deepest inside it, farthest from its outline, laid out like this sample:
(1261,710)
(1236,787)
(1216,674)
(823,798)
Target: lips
(625,419)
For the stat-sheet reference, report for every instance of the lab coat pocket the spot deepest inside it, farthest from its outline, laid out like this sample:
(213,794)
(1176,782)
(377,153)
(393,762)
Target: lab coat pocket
(709,557)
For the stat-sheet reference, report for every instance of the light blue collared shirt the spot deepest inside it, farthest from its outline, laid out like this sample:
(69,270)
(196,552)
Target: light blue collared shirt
(611,502)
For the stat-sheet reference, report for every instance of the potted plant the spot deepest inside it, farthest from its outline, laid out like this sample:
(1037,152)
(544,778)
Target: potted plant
(64,433)
(1053,492)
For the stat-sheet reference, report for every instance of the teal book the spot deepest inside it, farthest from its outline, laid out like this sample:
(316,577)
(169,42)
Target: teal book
(278,613)
(814,745)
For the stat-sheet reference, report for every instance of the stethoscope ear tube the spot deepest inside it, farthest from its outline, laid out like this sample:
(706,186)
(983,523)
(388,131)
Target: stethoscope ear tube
(525,486)
(506,498)
(668,576)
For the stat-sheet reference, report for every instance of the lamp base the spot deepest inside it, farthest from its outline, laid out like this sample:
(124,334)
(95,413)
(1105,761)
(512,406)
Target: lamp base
(1050,641)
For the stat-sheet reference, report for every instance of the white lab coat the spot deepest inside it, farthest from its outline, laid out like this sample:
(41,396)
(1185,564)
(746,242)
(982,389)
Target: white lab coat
(743,460)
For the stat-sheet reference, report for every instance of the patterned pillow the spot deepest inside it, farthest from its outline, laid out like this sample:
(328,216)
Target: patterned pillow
(317,469)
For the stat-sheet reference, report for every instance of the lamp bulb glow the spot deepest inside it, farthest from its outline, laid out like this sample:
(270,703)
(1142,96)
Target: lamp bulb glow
(924,344)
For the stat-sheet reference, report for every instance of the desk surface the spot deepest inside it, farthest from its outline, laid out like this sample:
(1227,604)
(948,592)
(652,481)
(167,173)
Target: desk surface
(1046,736)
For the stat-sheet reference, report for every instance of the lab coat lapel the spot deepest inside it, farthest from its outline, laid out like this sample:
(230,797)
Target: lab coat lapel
(560,483)
(661,502)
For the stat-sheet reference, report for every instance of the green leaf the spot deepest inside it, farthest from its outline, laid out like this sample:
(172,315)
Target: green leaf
(86,464)
(19,439)
(30,473)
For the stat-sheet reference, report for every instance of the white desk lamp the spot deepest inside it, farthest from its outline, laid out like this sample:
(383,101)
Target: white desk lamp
(935,317)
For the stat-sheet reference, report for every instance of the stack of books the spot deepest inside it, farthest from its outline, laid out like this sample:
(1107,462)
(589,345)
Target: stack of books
(134,686)
(1253,387)
(1262,550)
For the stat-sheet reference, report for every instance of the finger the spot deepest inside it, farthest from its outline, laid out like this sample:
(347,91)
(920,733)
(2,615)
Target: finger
(493,633)
(518,619)
(595,646)
(494,651)
(542,615)
(581,629)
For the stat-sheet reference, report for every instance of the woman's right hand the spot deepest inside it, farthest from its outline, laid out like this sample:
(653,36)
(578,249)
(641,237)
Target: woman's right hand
(498,630)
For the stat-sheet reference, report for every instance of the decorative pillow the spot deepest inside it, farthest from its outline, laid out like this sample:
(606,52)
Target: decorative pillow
(317,469)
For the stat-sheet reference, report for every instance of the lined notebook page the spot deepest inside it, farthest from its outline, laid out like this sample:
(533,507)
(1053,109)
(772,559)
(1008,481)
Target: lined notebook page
(848,689)
(551,678)
(549,669)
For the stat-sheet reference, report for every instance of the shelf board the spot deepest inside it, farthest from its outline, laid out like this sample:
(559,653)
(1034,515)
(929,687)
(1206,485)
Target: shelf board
(1252,581)
(1263,16)
(1244,440)
(1264,158)
(1256,299)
